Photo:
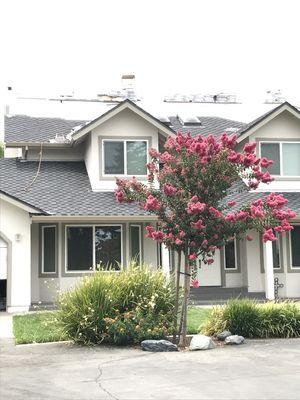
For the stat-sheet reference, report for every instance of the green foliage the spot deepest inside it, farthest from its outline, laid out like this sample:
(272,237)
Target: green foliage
(1,150)
(215,322)
(250,319)
(118,307)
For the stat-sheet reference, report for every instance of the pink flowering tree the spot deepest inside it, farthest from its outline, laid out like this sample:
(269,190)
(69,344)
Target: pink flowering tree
(188,184)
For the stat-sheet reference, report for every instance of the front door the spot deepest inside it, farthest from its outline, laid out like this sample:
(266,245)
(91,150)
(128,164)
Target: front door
(210,274)
(3,274)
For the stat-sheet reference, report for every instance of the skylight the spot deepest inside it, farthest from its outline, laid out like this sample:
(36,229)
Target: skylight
(231,129)
(189,120)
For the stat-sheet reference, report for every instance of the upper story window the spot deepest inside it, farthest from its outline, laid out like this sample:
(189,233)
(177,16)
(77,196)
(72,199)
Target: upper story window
(125,157)
(286,157)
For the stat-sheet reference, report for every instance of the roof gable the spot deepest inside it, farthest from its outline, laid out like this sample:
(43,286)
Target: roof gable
(265,118)
(126,104)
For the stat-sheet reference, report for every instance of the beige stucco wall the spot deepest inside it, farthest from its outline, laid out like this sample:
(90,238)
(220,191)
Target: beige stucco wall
(126,124)
(14,220)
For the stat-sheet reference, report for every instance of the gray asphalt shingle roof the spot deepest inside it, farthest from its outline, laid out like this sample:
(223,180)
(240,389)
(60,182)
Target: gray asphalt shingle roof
(242,197)
(209,125)
(22,128)
(62,188)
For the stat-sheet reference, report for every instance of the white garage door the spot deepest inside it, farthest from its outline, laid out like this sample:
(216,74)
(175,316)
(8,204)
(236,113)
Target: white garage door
(3,259)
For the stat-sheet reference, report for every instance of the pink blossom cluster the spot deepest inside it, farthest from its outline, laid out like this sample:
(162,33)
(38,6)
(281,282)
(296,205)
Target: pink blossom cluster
(169,190)
(194,206)
(152,204)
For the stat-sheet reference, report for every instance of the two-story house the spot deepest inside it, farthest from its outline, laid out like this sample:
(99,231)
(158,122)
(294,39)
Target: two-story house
(59,218)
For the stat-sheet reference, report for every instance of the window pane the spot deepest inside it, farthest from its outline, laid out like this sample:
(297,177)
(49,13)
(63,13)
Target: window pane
(136,158)
(230,255)
(135,242)
(113,157)
(276,257)
(291,159)
(271,151)
(295,244)
(49,249)
(80,248)
(108,246)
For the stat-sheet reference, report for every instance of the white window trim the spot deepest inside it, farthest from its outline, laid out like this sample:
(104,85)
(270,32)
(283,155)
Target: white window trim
(55,249)
(235,258)
(125,155)
(290,250)
(280,155)
(140,239)
(89,271)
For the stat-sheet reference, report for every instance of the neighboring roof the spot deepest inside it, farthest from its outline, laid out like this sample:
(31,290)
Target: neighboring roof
(209,125)
(22,128)
(61,188)
(282,107)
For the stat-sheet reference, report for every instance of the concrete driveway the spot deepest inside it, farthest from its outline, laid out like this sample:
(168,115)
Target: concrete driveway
(257,370)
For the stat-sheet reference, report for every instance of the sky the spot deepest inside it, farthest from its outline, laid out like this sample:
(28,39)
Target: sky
(243,47)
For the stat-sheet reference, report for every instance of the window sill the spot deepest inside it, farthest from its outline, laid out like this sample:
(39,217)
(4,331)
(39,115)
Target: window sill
(286,178)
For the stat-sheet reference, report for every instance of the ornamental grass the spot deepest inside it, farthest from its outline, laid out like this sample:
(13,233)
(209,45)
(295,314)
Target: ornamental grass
(118,307)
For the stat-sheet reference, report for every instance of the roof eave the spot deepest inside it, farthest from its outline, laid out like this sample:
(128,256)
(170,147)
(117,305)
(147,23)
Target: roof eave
(39,144)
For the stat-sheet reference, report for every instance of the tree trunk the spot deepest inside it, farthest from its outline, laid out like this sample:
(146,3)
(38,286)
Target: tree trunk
(187,279)
(177,287)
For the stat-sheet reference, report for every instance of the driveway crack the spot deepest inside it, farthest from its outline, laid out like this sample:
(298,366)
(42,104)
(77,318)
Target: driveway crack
(98,381)
(100,369)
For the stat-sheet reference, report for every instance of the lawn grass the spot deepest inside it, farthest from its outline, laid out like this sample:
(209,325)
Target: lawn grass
(38,327)
(196,316)
(41,327)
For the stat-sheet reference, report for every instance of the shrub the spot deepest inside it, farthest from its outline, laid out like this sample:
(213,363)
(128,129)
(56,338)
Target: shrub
(118,307)
(250,319)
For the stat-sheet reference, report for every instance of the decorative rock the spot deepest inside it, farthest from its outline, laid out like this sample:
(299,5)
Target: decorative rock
(223,335)
(234,339)
(158,345)
(201,342)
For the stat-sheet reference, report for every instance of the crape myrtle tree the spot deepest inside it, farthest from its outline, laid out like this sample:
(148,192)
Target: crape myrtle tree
(188,184)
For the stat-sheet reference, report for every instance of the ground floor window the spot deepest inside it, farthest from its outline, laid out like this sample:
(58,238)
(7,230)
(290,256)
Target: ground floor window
(49,249)
(230,255)
(135,243)
(276,253)
(108,246)
(295,246)
(79,248)
(94,245)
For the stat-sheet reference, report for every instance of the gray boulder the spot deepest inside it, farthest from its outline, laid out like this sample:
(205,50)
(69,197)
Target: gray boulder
(223,335)
(201,342)
(234,339)
(158,345)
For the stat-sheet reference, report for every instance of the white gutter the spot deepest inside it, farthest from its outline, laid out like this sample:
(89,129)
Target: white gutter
(95,218)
